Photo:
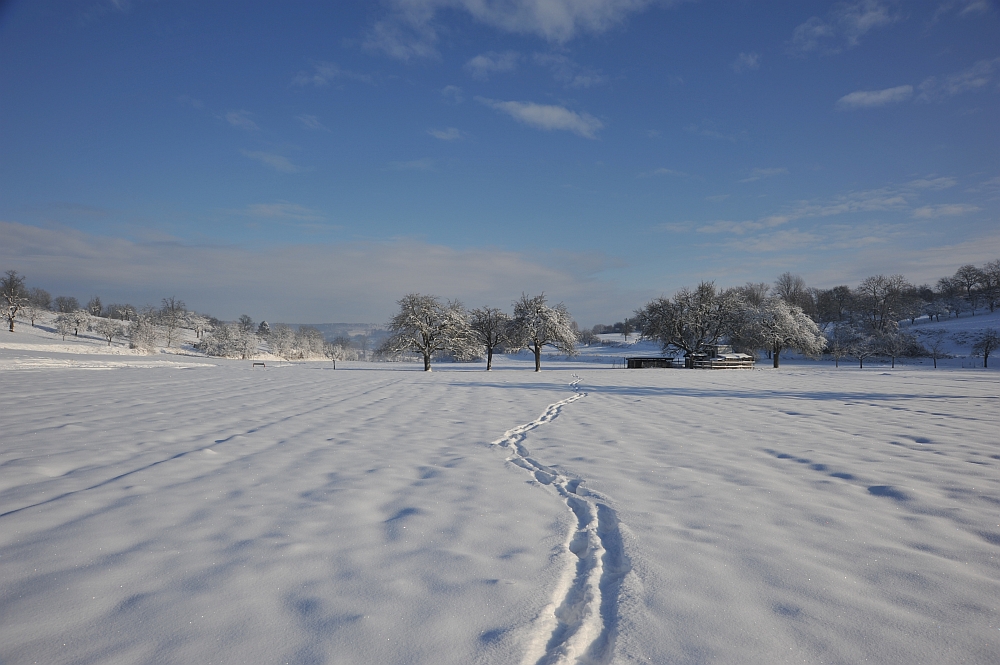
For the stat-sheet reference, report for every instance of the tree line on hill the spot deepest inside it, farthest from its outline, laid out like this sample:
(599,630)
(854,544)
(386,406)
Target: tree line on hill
(858,322)
(145,328)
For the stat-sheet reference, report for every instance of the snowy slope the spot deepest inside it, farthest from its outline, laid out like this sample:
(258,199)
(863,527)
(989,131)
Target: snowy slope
(196,510)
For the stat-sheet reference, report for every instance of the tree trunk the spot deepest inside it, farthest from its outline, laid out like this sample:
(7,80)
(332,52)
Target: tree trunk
(538,358)
(777,352)
(427,362)
(489,359)
(861,363)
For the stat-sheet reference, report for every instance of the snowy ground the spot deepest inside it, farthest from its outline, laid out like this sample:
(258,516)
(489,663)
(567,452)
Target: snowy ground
(181,510)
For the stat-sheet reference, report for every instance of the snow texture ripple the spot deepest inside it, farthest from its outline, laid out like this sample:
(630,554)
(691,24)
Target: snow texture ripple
(578,624)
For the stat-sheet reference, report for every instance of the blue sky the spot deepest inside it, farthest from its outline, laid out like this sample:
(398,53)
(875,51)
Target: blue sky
(306,161)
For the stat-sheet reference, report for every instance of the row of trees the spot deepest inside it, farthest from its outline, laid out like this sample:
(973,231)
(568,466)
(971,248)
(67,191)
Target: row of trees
(861,322)
(427,326)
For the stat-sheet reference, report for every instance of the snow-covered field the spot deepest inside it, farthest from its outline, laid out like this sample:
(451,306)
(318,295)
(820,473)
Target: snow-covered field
(175,509)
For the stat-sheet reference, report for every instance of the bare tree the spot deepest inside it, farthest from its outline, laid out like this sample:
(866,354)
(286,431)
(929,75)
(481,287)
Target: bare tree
(536,325)
(983,342)
(95,307)
(880,298)
(839,340)
(40,297)
(935,340)
(894,343)
(426,326)
(12,296)
(990,284)
(66,304)
(489,326)
(969,277)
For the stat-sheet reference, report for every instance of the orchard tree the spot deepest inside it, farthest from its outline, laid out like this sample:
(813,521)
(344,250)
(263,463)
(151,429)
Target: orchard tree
(64,325)
(172,312)
(66,304)
(777,325)
(985,343)
(109,329)
(880,300)
(12,296)
(839,340)
(426,326)
(536,325)
(935,340)
(693,319)
(95,307)
(968,278)
(142,331)
(990,284)
(489,327)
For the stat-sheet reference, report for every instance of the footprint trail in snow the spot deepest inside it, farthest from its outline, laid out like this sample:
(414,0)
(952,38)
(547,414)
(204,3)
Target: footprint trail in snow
(579,624)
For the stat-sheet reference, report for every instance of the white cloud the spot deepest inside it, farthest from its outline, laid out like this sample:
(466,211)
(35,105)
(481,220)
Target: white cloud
(453,94)
(864,99)
(410,30)
(282,210)
(932,183)
(312,122)
(760,174)
(669,172)
(449,134)
(974,7)
(241,120)
(425,164)
(568,72)
(324,72)
(843,26)
(944,210)
(974,78)
(276,162)
(484,64)
(746,62)
(547,116)
(316,282)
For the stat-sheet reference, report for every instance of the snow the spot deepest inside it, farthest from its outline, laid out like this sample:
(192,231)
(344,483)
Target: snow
(380,514)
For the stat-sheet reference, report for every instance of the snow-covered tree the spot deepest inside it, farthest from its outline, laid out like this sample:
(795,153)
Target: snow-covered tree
(693,319)
(282,341)
(863,345)
(489,326)
(142,332)
(172,313)
(95,307)
(230,340)
(894,343)
(536,325)
(426,326)
(64,325)
(263,330)
(13,296)
(80,319)
(777,325)
(109,329)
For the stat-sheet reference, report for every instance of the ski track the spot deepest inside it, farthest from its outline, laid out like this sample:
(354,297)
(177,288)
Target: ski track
(579,624)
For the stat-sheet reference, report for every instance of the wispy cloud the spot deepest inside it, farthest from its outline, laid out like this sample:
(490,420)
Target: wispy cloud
(976,77)
(547,116)
(708,129)
(449,134)
(717,197)
(241,120)
(188,100)
(425,164)
(569,72)
(453,94)
(746,62)
(410,29)
(276,162)
(324,72)
(484,64)
(933,183)
(311,122)
(866,99)
(282,210)
(944,210)
(664,172)
(843,26)
(760,174)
